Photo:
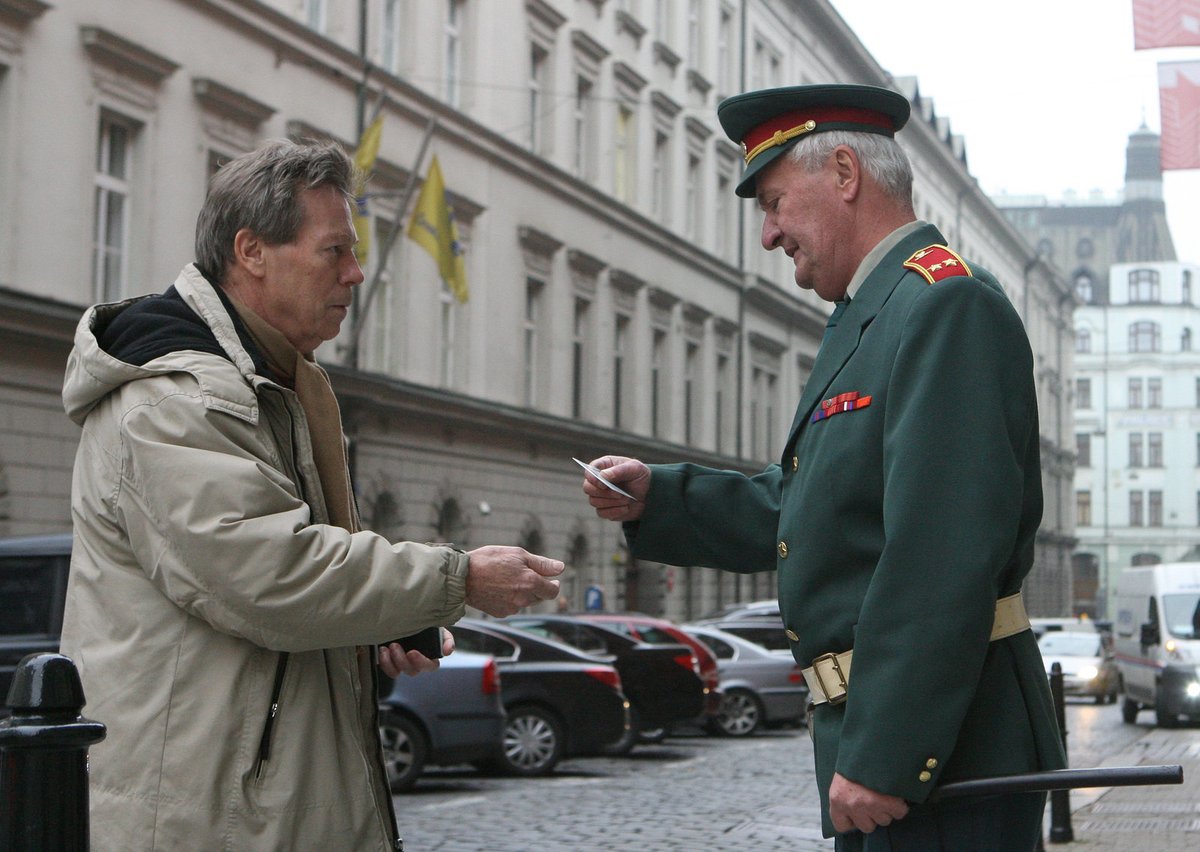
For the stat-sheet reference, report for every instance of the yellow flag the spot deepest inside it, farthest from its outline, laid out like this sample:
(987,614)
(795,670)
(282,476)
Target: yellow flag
(364,159)
(433,228)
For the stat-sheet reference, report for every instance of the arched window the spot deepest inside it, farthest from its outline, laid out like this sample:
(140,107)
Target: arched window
(450,524)
(1143,286)
(1083,288)
(1186,287)
(1140,559)
(1083,340)
(1185,340)
(1145,336)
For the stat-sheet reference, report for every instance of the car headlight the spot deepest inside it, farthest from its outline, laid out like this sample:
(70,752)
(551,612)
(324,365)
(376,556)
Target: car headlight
(1088,672)
(1192,690)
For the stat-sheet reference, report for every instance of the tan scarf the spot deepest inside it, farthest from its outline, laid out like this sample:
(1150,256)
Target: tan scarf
(311,384)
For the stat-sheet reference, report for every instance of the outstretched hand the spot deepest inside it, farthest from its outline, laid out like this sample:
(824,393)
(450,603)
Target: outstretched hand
(502,580)
(631,475)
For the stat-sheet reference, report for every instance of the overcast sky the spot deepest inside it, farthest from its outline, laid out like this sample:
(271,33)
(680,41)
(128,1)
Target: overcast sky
(1044,92)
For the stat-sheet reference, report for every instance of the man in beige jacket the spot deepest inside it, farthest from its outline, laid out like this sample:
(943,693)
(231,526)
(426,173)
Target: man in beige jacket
(223,602)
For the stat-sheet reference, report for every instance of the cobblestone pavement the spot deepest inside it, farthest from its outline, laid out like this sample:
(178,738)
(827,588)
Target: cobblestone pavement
(688,793)
(707,793)
(1133,819)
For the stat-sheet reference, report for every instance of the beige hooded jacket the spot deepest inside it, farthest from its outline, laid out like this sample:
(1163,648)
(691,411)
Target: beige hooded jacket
(221,626)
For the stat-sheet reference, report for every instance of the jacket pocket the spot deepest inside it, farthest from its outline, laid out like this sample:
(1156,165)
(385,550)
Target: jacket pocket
(264,744)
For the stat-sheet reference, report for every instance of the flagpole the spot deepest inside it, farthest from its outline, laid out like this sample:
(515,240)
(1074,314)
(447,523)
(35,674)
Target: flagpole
(386,247)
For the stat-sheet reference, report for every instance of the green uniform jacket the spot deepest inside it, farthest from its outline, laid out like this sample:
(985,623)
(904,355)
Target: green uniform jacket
(894,527)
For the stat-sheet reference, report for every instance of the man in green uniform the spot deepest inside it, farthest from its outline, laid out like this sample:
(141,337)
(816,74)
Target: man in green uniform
(901,517)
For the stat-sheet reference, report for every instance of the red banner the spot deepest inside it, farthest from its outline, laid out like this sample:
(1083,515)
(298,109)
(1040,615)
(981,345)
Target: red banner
(1165,23)
(1179,103)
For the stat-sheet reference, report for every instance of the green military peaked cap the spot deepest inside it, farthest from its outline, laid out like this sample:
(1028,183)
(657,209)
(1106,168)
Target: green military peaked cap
(768,122)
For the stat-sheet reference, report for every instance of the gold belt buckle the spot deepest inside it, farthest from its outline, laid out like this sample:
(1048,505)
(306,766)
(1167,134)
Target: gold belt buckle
(837,668)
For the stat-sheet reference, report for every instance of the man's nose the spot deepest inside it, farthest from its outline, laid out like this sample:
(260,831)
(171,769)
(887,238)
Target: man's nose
(353,275)
(770,234)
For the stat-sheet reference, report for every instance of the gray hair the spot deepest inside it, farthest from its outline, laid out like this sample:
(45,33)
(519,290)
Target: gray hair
(881,157)
(261,191)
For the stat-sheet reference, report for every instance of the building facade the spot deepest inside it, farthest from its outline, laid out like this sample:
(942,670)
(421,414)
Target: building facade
(619,300)
(1137,426)
(1133,398)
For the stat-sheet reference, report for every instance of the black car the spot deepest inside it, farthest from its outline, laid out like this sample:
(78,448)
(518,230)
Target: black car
(662,681)
(33,588)
(558,700)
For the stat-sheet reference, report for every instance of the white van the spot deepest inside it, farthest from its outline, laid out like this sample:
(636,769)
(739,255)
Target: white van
(1157,640)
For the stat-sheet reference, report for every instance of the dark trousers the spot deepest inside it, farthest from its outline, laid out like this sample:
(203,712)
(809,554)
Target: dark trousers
(1010,823)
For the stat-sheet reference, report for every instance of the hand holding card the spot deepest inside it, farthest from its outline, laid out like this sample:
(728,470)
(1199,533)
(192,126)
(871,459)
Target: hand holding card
(596,473)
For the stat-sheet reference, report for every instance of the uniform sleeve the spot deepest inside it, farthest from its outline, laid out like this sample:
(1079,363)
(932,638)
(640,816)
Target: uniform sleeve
(961,412)
(223,533)
(716,518)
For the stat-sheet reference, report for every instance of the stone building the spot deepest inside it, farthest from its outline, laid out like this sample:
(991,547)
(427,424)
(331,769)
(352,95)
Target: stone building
(1135,406)
(619,301)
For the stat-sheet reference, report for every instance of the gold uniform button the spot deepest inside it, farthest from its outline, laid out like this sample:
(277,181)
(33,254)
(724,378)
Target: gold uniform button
(924,776)
(931,763)
(783,550)
(791,634)
(795,462)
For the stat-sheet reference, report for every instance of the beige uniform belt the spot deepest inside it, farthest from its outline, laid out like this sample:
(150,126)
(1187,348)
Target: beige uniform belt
(829,674)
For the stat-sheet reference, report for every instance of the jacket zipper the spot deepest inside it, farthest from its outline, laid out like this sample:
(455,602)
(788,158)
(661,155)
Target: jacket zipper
(264,745)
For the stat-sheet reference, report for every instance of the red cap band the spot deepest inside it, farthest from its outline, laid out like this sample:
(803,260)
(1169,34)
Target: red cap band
(788,125)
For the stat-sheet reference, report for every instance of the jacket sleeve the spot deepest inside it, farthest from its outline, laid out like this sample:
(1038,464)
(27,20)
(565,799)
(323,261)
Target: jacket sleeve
(961,414)
(222,532)
(702,516)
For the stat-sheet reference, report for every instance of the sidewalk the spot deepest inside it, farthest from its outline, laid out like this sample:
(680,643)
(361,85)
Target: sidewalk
(1132,819)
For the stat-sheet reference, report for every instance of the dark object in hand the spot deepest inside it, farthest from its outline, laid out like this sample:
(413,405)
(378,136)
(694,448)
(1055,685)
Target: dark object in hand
(428,642)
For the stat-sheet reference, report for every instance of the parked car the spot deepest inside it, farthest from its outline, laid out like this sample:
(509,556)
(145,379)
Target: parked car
(660,631)
(1042,626)
(1087,665)
(558,701)
(444,717)
(759,687)
(743,611)
(767,632)
(662,681)
(33,588)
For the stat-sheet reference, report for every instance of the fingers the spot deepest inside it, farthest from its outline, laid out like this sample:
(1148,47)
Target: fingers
(853,806)
(447,643)
(395,661)
(543,565)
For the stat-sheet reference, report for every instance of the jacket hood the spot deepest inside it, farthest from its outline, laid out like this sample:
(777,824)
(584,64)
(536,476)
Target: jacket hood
(190,328)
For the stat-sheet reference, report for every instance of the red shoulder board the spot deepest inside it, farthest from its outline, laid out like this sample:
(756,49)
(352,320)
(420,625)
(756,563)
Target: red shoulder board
(936,262)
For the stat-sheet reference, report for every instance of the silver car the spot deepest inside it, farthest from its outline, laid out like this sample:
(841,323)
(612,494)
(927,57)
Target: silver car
(441,718)
(1087,665)
(760,687)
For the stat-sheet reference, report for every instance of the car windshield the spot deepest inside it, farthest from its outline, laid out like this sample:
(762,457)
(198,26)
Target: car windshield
(1182,615)
(1067,644)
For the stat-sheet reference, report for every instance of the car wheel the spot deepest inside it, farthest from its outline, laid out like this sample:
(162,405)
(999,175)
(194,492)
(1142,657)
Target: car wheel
(741,713)
(653,735)
(1161,717)
(1129,711)
(405,750)
(532,742)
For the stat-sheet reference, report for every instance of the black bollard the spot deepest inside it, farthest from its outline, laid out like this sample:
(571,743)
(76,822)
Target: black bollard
(1060,800)
(43,759)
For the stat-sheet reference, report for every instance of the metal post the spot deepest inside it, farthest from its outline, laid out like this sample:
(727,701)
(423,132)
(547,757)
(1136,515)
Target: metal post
(43,759)
(1060,800)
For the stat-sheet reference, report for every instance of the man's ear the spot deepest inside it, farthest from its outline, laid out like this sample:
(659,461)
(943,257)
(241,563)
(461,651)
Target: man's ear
(847,171)
(248,252)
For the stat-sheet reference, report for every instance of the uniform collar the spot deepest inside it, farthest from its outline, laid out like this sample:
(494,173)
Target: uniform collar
(875,256)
